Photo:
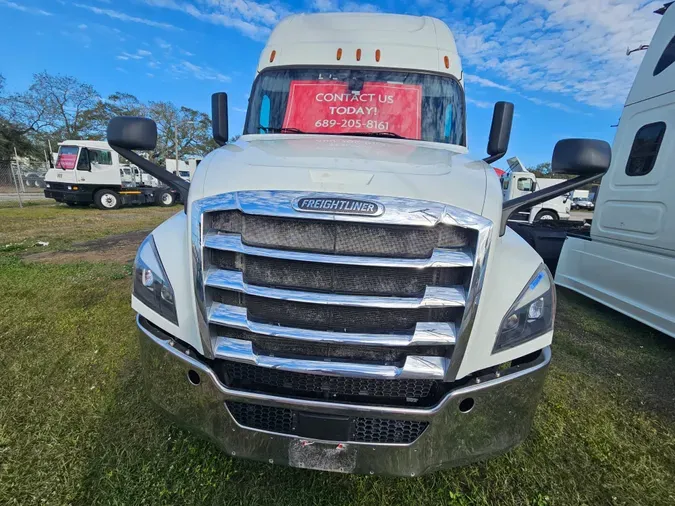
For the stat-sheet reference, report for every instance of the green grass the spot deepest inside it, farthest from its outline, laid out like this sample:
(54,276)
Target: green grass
(76,427)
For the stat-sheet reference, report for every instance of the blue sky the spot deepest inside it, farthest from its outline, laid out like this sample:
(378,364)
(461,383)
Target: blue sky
(562,62)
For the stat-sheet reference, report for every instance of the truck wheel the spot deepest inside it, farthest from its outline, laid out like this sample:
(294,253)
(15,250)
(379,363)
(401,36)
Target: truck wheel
(107,200)
(546,215)
(166,199)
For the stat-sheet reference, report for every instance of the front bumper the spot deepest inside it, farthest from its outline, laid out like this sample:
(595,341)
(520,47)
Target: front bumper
(499,419)
(68,195)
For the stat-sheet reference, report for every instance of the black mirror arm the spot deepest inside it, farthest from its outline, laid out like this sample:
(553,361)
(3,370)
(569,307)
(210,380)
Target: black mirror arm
(511,206)
(175,182)
(493,158)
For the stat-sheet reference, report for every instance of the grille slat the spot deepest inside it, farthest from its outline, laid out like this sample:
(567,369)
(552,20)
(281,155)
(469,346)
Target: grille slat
(361,430)
(334,318)
(344,279)
(417,392)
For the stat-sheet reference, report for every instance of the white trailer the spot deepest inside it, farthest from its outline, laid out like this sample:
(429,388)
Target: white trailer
(91,172)
(342,292)
(628,260)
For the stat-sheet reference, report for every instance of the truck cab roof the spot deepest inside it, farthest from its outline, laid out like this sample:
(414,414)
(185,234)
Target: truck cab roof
(87,144)
(363,39)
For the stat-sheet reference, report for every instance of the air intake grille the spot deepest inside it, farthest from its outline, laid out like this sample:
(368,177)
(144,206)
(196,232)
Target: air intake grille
(314,386)
(334,278)
(381,430)
(334,318)
(343,238)
(367,298)
(360,430)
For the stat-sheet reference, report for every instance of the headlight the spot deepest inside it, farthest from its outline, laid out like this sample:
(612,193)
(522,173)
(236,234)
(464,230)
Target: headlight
(531,315)
(151,285)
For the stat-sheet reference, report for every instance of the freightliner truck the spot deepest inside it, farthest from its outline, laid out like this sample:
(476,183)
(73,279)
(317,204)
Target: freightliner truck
(341,291)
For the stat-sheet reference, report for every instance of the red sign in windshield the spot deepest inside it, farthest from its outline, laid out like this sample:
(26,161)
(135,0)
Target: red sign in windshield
(329,107)
(66,161)
(67,157)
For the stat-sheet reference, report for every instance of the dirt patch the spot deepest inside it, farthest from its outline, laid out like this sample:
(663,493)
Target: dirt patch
(113,248)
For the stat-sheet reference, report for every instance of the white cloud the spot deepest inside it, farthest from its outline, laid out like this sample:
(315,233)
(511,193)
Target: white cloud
(24,8)
(485,83)
(138,55)
(125,17)
(571,48)
(82,26)
(162,43)
(251,18)
(325,5)
(479,103)
(185,67)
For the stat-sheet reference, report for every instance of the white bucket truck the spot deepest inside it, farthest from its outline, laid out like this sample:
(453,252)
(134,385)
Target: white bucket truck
(342,292)
(627,261)
(90,172)
(519,181)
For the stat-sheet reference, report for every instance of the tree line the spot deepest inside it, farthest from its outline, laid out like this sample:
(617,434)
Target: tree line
(57,108)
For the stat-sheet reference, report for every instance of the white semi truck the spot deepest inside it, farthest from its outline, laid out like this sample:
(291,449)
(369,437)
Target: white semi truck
(626,260)
(90,172)
(341,292)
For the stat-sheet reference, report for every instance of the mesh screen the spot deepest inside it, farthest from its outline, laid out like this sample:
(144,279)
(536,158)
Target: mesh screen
(334,318)
(361,430)
(337,278)
(336,237)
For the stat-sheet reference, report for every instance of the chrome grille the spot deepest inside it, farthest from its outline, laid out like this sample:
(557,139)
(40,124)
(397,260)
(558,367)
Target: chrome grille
(336,306)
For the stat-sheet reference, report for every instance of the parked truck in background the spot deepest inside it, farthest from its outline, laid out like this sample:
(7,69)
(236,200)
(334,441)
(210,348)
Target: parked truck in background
(185,169)
(518,181)
(342,292)
(626,259)
(90,172)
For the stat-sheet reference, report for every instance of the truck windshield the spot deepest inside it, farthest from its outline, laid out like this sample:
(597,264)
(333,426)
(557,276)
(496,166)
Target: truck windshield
(378,103)
(67,157)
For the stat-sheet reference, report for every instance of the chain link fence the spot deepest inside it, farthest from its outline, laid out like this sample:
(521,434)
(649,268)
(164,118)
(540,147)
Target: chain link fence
(21,177)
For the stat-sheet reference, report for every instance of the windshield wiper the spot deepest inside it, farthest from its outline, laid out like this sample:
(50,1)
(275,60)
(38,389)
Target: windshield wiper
(391,135)
(282,130)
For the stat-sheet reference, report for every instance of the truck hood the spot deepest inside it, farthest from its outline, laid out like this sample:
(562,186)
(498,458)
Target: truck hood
(358,165)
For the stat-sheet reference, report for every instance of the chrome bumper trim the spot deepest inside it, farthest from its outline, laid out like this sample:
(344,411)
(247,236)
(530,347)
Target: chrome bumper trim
(434,296)
(441,257)
(426,333)
(499,420)
(415,367)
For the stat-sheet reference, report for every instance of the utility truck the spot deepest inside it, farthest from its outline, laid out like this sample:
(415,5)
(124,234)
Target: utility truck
(626,259)
(91,172)
(342,292)
(519,181)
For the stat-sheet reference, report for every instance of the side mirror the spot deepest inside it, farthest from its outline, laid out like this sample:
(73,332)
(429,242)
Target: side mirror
(126,134)
(588,159)
(581,157)
(219,118)
(132,133)
(500,131)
